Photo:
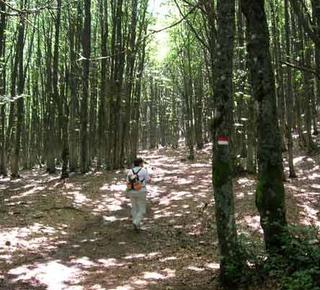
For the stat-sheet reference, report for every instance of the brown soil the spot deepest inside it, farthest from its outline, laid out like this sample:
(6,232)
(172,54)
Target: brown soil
(77,234)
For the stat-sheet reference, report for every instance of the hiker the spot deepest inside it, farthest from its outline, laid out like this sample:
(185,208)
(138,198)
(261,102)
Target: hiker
(137,179)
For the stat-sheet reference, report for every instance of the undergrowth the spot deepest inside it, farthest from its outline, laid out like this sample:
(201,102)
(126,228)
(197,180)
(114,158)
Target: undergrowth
(297,268)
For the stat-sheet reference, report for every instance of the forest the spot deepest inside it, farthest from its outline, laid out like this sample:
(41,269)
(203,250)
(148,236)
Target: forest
(221,100)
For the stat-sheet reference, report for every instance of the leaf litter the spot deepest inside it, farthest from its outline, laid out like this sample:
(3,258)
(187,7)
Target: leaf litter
(80,229)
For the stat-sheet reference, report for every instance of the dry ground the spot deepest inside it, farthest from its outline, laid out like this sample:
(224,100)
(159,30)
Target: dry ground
(77,234)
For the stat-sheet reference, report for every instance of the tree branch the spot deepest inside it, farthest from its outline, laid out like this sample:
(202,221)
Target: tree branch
(302,68)
(174,24)
(23,12)
(152,32)
(202,41)
(305,19)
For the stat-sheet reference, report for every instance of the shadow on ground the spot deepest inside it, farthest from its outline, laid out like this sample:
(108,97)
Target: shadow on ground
(77,234)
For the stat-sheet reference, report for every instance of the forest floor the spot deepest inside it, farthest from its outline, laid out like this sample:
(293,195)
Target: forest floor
(77,234)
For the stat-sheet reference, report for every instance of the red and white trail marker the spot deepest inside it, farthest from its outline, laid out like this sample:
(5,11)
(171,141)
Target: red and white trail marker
(223,140)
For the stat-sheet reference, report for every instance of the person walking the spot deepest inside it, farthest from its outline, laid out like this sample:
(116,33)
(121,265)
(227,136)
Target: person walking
(137,179)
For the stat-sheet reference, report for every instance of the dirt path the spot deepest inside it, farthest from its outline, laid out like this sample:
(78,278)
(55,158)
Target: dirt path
(77,234)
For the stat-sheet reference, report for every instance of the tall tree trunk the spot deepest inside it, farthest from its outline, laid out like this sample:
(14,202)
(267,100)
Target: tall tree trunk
(86,45)
(130,69)
(270,194)
(50,102)
(198,112)
(279,73)
(308,96)
(222,157)
(137,95)
(289,97)
(75,23)
(20,102)
(102,112)
(3,153)
(316,20)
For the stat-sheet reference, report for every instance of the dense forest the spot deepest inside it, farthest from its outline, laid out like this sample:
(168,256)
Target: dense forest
(83,90)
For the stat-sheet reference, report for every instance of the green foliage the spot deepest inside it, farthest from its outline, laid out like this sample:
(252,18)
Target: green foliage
(301,280)
(297,268)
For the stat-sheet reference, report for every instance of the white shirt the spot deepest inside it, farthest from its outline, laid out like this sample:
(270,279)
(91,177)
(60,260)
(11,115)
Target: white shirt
(142,174)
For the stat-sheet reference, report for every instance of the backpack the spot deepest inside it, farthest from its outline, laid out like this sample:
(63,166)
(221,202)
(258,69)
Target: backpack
(134,183)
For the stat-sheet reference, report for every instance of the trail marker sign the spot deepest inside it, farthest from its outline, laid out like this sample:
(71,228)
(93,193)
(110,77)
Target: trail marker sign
(223,140)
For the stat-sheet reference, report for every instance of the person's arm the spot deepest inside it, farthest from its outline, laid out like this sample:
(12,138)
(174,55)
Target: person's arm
(130,173)
(147,176)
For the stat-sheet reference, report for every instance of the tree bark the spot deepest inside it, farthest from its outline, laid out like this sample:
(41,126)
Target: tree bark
(289,97)
(20,102)
(86,45)
(3,153)
(270,194)
(222,157)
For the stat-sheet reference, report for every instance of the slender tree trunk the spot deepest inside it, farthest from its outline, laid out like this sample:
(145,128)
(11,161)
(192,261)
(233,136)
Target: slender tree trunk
(20,102)
(298,48)
(75,22)
(308,97)
(316,20)
(153,114)
(86,45)
(137,95)
(289,96)
(270,194)
(3,161)
(102,116)
(198,112)
(50,102)
(279,74)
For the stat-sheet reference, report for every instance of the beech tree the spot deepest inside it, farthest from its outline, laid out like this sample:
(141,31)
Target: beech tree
(270,194)
(222,156)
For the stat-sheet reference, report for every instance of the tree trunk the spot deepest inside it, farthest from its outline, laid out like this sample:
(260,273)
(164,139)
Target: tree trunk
(3,153)
(20,102)
(102,112)
(222,157)
(86,45)
(75,22)
(289,96)
(316,20)
(270,194)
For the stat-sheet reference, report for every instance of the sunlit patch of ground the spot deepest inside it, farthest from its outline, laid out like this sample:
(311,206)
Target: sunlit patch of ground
(77,234)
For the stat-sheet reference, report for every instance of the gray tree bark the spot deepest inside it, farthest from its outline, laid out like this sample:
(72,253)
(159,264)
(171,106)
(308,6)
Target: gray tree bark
(270,194)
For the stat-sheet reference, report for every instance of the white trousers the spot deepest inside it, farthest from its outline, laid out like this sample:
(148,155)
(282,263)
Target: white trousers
(138,203)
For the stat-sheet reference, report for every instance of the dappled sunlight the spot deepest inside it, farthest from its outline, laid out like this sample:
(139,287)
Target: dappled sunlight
(315,186)
(298,160)
(244,181)
(165,274)
(91,244)
(111,202)
(79,198)
(168,259)
(118,187)
(195,268)
(25,238)
(213,266)
(141,255)
(31,191)
(53,275)
(243,194)
(314,176)
(111,219)
(252,222)
(111,262)
(309,215)
(201,165)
